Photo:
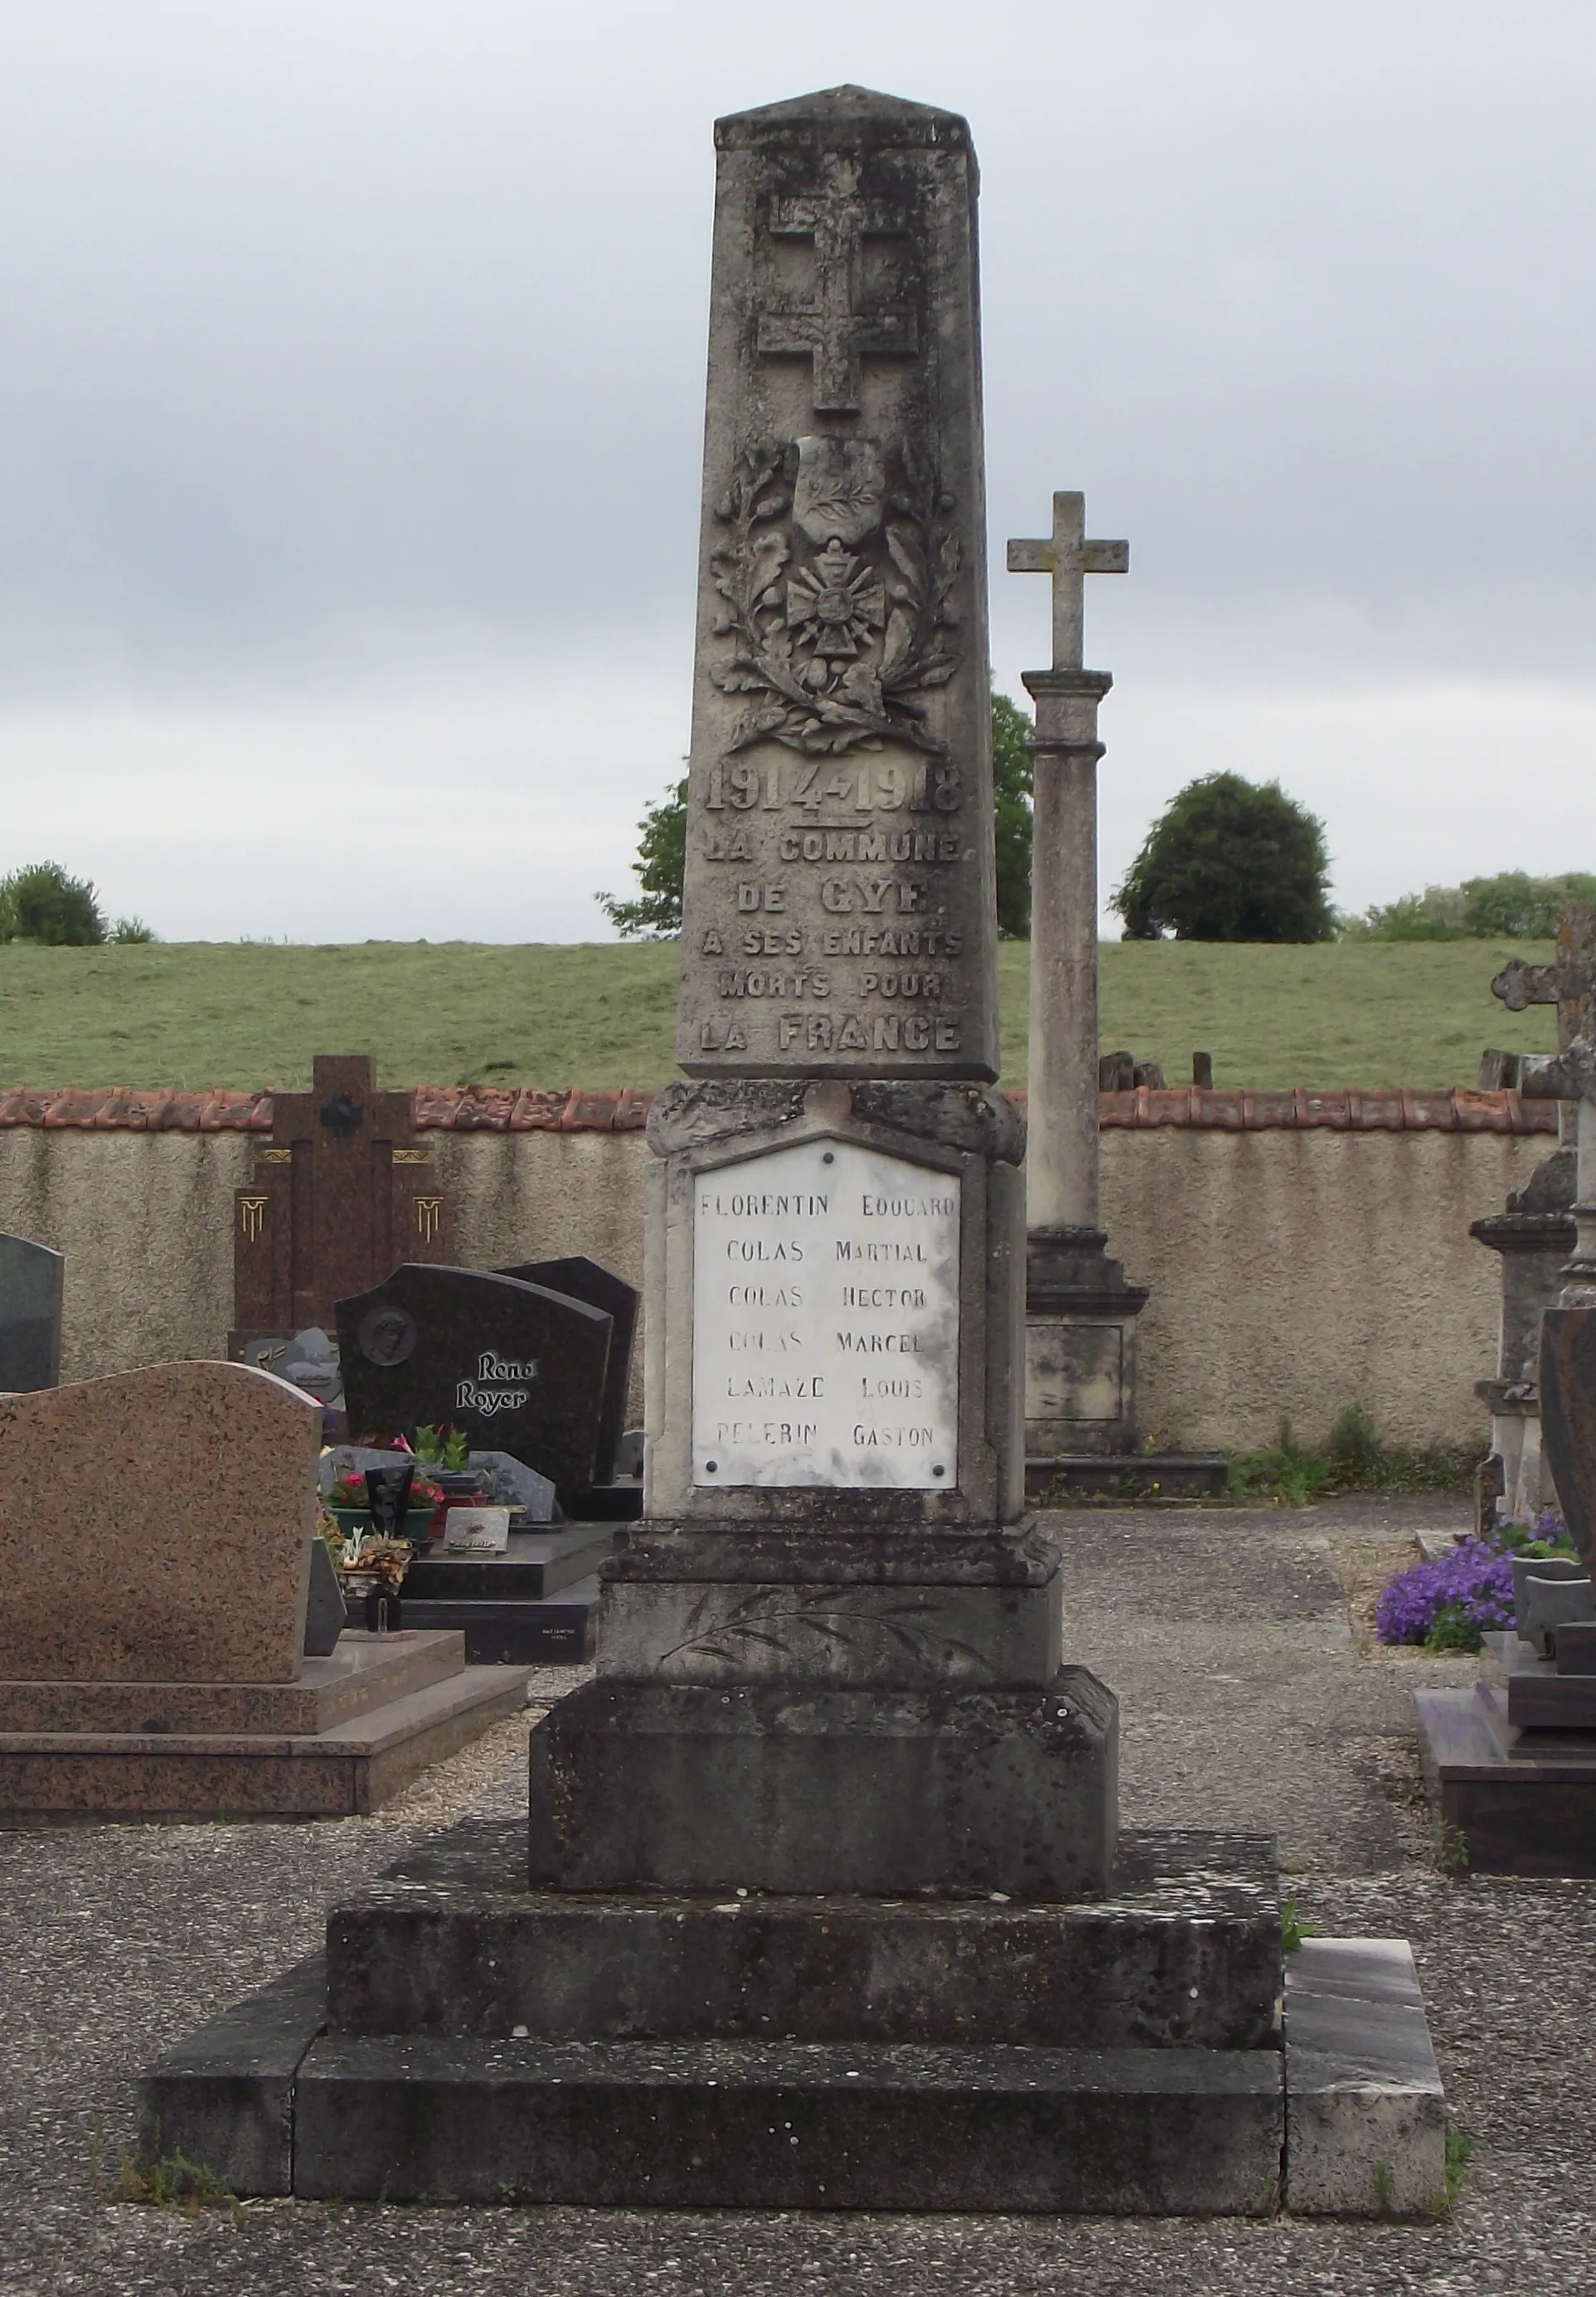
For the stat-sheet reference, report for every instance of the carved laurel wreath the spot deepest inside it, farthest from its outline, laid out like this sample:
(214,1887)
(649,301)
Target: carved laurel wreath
(895,614)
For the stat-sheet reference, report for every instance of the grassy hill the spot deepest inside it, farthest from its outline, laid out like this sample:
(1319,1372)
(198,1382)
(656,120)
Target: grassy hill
(191,1015)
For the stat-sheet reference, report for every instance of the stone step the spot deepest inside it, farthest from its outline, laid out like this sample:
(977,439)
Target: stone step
(1186,1952)
(787,2125)
(534,1565)
(558,1631)
(1132,1477)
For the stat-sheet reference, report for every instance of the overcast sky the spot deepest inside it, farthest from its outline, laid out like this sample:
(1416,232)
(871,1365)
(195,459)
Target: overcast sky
(351,368)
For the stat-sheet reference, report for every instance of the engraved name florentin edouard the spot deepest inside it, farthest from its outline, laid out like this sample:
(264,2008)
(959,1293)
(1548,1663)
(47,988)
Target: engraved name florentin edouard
(825,1349)
(499,1385)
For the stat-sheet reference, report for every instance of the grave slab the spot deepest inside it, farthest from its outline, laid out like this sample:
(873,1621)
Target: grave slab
(1509,1815)
(1366,2122)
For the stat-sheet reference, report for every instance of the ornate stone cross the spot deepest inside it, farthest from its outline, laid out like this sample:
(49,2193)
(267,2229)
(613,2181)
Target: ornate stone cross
(1069,558)
(1570,1073)
(832,330)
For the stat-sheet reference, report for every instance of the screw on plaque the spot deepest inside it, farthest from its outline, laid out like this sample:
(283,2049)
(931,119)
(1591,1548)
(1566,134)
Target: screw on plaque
(342,1117)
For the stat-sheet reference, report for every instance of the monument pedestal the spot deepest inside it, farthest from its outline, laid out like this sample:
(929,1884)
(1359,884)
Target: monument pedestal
(1079,1346)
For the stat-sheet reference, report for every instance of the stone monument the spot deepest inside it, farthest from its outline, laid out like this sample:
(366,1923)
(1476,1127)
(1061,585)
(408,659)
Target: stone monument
(1080,1312)
(339,1196)
(826,1902)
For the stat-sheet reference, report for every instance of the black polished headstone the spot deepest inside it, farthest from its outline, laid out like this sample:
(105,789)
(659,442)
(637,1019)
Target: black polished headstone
(30,1285)
(324,1616)
(1569,1420)
(581,1279)
(515,1368)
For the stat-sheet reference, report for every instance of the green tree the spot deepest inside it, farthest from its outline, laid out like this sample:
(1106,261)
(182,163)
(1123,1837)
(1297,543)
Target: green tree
(1229,860)
(1011,812)
(41,903)
(659,868)
(662,844)
(1510,906)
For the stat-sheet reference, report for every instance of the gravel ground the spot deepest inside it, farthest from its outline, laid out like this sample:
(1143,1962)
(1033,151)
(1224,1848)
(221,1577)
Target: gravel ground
(1247,1700)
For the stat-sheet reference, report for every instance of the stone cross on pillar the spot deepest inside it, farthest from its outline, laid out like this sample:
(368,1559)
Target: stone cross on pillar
(1569,1074)
(1069,558)
(1080,1314)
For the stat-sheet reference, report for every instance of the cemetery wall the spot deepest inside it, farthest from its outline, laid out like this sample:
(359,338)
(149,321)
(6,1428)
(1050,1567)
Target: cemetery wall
(1304,1251)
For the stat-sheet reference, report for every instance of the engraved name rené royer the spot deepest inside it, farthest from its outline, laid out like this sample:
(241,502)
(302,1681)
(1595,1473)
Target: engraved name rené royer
(497,1386)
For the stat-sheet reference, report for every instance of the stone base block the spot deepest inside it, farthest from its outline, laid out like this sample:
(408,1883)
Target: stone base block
(808,1789)
(364,1673)
(1131,1478)
(1185,1952)
(1506,1813)
(345,1771)
(1365,2119)
(534,1565)
(789,2125)
(225,2097)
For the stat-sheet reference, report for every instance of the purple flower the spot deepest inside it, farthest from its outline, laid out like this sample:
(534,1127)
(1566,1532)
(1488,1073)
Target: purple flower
(1476,1577)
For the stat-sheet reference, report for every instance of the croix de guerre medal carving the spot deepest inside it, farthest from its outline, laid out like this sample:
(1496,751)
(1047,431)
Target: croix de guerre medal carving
(835,578)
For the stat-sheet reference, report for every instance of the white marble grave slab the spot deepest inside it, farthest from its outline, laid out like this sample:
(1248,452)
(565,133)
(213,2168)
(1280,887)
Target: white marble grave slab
(826,1322)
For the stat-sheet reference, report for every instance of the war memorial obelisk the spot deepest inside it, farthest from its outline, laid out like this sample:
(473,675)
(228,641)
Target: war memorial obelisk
(822,1900)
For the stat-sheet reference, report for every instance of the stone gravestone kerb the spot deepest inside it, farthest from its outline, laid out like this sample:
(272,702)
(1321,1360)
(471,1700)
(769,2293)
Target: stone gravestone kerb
(157,1528)
(30,1291)
(514,1367)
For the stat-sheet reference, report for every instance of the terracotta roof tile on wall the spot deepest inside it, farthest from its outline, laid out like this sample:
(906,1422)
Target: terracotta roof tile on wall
(526,1109)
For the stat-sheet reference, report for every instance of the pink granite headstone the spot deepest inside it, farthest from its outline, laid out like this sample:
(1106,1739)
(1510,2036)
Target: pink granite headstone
(154,1527)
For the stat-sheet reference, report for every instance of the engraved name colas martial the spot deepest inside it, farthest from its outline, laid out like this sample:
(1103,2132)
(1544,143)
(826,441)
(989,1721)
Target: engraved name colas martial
(839,866)
(825,1321)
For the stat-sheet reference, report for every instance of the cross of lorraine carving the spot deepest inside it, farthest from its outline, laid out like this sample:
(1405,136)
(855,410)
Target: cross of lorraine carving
(1069,558)
(834,331)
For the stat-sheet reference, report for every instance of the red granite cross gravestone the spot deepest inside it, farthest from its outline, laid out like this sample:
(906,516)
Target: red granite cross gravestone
(340,1197)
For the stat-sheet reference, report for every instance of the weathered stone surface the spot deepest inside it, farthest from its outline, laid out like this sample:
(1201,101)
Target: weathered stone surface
(779,1787)
(225,2097)
(1185,1951)
(914,1608)
(1365,2119)
(156,1527)
(753,2125)
(839,875)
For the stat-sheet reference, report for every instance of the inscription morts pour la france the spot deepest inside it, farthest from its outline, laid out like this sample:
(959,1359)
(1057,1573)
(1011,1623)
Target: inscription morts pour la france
(839,805)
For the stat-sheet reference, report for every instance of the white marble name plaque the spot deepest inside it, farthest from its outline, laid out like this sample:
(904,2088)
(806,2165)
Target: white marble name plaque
(826,1322)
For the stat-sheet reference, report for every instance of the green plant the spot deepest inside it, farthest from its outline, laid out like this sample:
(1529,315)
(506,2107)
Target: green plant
(41,903)
(1454,1629)
(1452,1848)
(442,1447)
(133,929)
(171,2181)
(1293,1930)
(1285,1473)
(658,869)
(1384,2188)
(1459,2147)
(1228,860)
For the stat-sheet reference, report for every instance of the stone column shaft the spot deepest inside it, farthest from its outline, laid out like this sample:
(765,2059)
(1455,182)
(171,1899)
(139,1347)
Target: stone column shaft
(1061,1187)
